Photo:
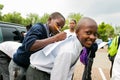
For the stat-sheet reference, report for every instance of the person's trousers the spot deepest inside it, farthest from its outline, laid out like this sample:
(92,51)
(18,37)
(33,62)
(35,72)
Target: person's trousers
(16,72)
(35,74)
(4,62)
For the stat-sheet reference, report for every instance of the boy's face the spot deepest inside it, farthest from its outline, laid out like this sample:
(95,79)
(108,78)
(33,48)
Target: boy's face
(87,35)
(53,23)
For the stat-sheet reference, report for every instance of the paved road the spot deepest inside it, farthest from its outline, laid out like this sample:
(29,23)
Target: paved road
(100,69)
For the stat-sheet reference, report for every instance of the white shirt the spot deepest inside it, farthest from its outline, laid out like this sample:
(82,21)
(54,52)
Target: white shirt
(69,33)
(58,58)
(9,47)
(116,66)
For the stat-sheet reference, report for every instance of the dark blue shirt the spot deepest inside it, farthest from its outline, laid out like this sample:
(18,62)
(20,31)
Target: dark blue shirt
(21,57)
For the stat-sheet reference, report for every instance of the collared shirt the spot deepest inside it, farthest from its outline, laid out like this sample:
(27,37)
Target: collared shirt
(47,30)
(116,67)
(58,58)
(37,32)
(9,47)
(69,33)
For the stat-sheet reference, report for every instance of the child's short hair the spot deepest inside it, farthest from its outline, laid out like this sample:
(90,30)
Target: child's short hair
(56,15)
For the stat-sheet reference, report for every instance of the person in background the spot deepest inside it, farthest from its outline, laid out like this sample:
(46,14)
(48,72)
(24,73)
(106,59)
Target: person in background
(7,49)
(72,26)
(116,66)
(28,27)
(22,36)
(57,61)
(39,36)
(112,51)
(109,41)
(23,33)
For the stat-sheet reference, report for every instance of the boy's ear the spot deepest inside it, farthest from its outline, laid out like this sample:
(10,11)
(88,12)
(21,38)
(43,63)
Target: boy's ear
(77,30)
(49,19)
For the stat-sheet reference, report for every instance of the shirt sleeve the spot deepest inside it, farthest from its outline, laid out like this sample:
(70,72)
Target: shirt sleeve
(61,66)
(116,67)
(36,32)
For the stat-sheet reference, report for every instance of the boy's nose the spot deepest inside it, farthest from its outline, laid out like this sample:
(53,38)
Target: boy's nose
(93,36)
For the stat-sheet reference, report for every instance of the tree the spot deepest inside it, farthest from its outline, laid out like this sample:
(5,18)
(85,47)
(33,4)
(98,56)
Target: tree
(105,30)
(76,16)
(66,26)
(117,30)
(44,18)
(14,17)
(1,7)
(32,18)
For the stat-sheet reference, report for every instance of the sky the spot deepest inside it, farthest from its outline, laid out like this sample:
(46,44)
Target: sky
(107,11)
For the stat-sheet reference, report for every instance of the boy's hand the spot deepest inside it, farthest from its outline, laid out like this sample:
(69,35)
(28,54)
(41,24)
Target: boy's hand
(60,36)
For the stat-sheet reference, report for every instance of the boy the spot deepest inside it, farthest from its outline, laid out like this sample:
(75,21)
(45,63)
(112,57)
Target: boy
(58,62)
(36,38)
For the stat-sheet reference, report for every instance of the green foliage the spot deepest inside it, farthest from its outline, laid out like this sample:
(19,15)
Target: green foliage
(1,7)
(14,17)
(66,26)
(76,16)
(105,30)
(32,18)
(117,30)
(44,18)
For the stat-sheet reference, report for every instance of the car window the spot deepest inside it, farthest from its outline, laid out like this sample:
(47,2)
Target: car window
(1,37)
(9,34)
(21,29)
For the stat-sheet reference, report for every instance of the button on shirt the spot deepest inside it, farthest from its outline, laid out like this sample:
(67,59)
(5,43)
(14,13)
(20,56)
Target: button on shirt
(58,58)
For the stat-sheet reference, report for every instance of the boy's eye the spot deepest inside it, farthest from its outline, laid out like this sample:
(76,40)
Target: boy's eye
(88,33)
(57,24)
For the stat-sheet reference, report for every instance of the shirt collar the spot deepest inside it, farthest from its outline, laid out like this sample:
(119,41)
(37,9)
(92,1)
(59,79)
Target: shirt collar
(78,44)
(47,29)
